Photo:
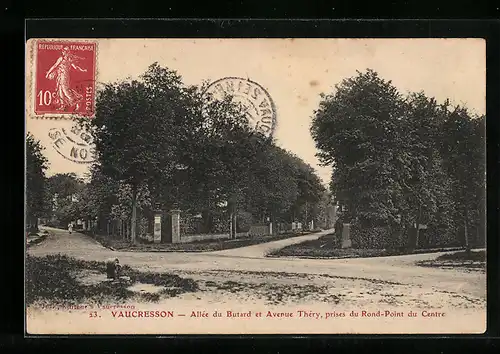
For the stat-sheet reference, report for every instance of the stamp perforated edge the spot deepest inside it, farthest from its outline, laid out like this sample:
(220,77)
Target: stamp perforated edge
(30,77)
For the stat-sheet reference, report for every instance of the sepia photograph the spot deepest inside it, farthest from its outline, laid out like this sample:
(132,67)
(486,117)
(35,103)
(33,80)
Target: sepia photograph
(255,186)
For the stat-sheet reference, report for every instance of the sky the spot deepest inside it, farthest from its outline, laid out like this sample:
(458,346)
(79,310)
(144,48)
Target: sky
(294,72)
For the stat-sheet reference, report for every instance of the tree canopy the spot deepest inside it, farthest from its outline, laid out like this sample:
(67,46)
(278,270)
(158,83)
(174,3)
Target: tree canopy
(36,165)
(400,160)
(160,141)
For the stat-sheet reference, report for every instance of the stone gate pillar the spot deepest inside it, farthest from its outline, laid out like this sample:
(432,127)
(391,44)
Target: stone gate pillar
(346,237)
(157,226)
(176,225)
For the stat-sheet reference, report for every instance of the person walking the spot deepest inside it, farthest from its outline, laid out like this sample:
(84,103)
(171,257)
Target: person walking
(70,227)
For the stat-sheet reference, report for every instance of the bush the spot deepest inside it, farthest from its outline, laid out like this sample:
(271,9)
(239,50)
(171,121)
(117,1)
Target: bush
(436,236)
(377,237)
(55,224)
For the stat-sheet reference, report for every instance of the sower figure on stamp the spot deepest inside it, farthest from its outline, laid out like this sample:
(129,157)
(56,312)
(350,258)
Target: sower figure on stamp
(66,96)
(70,227)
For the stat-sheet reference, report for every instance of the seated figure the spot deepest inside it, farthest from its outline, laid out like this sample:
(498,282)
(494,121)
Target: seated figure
(113,268)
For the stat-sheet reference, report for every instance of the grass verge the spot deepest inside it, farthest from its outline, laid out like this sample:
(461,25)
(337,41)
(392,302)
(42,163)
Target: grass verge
(327,247)
(52,278)
(471,261)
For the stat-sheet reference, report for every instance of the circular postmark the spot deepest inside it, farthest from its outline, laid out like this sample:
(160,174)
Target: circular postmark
(254,99)
(74,144)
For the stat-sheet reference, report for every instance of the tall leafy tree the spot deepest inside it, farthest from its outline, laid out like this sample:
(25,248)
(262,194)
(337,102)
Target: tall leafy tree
(464,153)
(310,192)
(102,193)
(36,165)
(425,185)
(402,161)
(157,132)
(356,130)
(65,191)
(140,128)
(279,185)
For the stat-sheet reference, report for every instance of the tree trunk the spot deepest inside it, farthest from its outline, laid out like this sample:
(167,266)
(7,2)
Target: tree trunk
(272,222)
(466,233)
(306,223)
(205,214)
(235,220)
(418,225)
(133,221)
(231,225)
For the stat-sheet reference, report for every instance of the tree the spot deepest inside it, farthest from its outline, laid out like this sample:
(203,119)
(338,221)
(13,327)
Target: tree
(310,192)
(219,152)
(36,165)
(402,161)
(281,186)
(139,128)
(464,153)
(158,134)
(425,186)
(357,132)
(65,190)
(101,195)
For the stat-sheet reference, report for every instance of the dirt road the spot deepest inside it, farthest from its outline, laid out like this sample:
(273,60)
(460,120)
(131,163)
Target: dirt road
(244,278)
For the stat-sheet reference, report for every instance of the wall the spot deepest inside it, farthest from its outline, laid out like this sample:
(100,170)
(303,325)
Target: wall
(259,230)
(205,237)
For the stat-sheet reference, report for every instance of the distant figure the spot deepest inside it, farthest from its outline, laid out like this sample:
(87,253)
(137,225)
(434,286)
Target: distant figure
(70,227)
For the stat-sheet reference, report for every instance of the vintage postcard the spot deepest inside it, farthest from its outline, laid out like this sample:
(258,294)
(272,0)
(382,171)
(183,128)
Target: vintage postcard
(255,186)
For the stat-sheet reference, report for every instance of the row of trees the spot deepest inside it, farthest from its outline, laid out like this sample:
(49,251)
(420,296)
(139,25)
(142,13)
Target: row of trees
(159,141)
(403,160)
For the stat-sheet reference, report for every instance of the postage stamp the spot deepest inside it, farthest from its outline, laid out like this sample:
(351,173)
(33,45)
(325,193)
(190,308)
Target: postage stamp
(255,100)
(65,78)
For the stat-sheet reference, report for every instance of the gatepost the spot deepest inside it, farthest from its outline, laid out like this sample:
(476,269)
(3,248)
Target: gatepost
(176,227)
(269,225)
(157,224)
(346,237)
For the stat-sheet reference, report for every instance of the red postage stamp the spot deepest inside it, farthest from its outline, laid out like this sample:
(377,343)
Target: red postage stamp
(65,78)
